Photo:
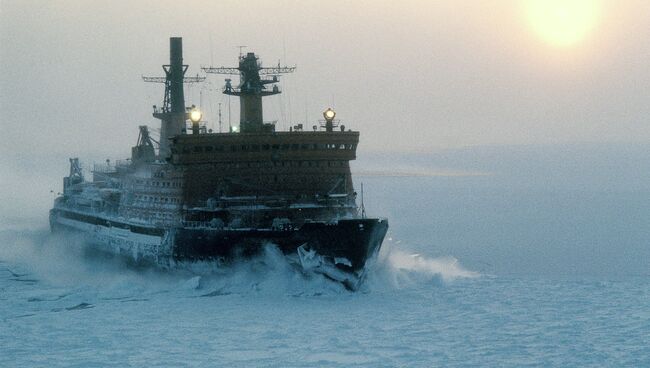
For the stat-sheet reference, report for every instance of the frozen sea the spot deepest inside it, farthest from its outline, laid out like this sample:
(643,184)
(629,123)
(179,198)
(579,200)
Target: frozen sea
(501,259)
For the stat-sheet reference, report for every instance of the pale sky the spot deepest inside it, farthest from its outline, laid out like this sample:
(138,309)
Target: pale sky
(410,75)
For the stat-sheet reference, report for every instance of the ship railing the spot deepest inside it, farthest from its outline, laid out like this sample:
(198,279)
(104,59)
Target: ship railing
(200,224)
(122,163)
(104,168)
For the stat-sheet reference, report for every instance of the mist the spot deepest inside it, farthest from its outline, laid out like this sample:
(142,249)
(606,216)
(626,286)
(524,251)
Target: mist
(414,76)
(505,153)
(513,173)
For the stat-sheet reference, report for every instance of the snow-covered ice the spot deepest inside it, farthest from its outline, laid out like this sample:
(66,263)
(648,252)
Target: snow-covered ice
(63,308)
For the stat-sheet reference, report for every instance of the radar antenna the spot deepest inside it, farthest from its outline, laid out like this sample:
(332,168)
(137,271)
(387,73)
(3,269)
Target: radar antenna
(251,89)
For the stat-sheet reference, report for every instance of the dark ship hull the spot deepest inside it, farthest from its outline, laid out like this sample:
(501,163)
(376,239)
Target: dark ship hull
(338,249)
(351,241)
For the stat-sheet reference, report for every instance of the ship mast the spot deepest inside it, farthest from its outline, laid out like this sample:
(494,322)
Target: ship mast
(251,89)
(173,114)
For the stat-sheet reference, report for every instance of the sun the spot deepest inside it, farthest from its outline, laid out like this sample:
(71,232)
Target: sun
(563,22)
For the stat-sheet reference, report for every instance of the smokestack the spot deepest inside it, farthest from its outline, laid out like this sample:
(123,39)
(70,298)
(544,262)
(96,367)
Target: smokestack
(172,118)
(176,73)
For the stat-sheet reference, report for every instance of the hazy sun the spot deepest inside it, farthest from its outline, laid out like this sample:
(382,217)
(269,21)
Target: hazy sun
(563,22)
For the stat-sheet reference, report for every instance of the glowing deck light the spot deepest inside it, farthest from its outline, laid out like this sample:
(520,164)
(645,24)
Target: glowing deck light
(195,115)
(329,114)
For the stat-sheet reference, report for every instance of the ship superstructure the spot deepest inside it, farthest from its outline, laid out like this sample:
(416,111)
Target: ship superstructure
(220,196)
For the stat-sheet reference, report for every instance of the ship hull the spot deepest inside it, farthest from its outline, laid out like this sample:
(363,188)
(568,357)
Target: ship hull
(345,244)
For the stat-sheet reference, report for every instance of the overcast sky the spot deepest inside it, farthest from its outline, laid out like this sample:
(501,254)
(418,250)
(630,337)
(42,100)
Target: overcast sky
(410,75)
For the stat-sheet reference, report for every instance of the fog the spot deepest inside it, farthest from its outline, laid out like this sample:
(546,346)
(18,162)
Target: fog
(414,75)
(511,154)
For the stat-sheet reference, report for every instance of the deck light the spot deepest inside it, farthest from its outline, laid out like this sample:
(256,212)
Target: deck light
(195,115)
(329,114)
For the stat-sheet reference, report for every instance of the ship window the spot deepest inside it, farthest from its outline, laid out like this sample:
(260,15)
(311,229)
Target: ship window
(198,149)
(276,147)
(244,147)
(313,146)
(266,147)
(304,146)
(295,146)
(285,147)
(208,149)
(186,149)
(218,148)
(256,148)
(233,148)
